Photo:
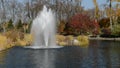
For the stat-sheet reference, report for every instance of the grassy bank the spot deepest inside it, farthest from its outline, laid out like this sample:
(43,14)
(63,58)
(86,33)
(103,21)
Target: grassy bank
(8,40)
(72,41)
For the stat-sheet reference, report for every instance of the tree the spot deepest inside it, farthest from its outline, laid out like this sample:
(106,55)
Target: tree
(19,24)
(104,23)
(3,11)
(10,24)
(61,26)
(118,20)
(29,26)
(116,30)
(96,9)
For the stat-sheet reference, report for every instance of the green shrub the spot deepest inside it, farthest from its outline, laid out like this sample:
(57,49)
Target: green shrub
(116,30)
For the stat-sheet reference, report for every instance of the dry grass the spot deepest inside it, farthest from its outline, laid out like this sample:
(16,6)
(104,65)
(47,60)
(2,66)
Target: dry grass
(60,38)
(83,40)
(62,43)
(13,38)
(3,41)
(27,40)
(70,40)
(12,35)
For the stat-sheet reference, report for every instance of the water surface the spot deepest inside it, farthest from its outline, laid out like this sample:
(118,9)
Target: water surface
(99,54)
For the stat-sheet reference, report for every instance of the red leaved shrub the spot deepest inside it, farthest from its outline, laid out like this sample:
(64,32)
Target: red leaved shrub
(82,24)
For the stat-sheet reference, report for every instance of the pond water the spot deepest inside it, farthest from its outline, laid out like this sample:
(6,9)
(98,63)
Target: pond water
(99,54)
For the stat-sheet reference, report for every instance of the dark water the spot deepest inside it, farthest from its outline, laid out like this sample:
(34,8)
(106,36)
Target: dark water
(99,54)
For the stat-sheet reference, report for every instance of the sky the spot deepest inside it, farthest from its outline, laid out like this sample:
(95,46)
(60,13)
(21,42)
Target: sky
(88,4)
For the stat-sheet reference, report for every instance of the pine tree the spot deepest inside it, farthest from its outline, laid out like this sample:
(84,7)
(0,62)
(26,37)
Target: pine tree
(10,24)
(19,24)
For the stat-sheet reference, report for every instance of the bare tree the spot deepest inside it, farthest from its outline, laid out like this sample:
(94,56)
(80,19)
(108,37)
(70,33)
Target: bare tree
(28,9)
(3,11)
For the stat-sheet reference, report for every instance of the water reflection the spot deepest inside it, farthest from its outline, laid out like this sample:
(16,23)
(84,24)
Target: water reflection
(44,58)
(2,58)
(107,53)
(99,54)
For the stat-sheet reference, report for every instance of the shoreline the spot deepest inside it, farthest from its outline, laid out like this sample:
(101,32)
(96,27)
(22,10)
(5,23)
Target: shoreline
(61,39)
(101,38)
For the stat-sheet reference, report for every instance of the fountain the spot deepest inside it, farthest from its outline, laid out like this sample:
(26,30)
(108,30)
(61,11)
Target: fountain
(43,30)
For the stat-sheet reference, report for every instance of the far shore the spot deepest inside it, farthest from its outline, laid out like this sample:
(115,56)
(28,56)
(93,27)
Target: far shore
(102,38)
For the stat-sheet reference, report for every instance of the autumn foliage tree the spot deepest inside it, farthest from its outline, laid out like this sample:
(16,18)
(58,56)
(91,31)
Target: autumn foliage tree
(61,26)
(104,23)
(105,27)
(82,24)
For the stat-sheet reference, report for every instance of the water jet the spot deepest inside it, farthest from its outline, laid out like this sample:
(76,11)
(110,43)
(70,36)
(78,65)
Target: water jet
(43,30)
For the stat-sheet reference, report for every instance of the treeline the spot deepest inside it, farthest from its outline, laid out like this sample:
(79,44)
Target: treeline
(26,10)
(72,18)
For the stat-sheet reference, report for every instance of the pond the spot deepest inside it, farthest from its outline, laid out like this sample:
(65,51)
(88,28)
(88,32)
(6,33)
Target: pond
(99,54)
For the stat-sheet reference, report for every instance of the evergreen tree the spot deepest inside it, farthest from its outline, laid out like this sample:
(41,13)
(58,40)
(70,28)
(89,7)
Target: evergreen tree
(19,24)
(29,27)
(10,24)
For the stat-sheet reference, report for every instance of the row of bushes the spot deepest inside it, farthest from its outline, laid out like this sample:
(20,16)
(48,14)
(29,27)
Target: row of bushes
(83,24)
